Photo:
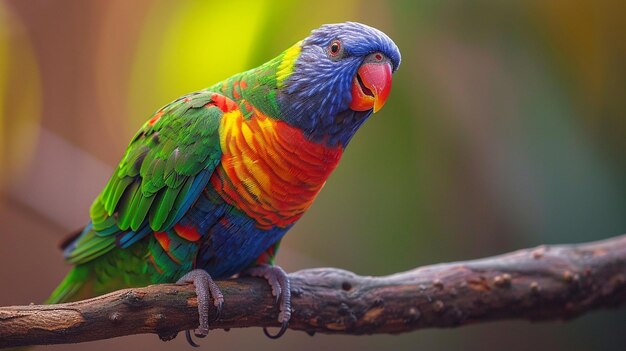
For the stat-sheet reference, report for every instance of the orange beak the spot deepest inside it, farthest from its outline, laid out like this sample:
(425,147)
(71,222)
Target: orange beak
(371,86)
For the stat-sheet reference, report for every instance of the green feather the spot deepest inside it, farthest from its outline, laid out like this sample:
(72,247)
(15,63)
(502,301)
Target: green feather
(164,203)
(119,186)
(176,206)
(127,205)
(89,246)
(141,211)
(155,176)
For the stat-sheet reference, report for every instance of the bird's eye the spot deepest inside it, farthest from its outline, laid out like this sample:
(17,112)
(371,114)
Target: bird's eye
(335,48)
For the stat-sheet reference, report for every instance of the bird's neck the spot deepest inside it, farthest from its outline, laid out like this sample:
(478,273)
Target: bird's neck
(269,90)
(262,85)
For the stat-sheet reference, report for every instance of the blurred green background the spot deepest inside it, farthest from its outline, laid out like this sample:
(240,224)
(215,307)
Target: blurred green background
(505,129)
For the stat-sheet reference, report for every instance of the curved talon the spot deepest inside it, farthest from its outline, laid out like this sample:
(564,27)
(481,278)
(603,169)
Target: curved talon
(205,289)
(190,339)
(281,289)
(283,329)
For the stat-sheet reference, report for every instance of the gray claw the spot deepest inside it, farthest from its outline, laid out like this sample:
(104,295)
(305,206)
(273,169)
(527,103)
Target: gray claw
(281,289)
(205,288)
(283,329)
(190,339)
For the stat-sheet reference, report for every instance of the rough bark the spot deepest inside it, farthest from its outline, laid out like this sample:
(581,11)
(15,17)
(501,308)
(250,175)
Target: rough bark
(544,283)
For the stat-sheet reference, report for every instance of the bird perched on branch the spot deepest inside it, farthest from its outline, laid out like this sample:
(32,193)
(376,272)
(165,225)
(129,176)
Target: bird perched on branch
(212,181)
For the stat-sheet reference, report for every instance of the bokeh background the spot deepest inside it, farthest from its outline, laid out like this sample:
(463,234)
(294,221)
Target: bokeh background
(505,129)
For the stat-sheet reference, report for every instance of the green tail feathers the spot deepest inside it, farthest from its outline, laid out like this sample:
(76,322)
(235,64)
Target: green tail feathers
(76,285)
(116,270)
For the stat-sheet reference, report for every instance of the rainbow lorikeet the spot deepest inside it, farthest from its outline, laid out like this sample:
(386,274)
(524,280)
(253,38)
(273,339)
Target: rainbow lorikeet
(212,181)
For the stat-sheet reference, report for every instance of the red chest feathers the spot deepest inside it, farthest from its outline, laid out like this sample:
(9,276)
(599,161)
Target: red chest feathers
(269,170)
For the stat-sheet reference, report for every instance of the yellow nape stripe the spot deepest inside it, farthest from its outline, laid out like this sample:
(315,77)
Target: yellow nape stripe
(286,65)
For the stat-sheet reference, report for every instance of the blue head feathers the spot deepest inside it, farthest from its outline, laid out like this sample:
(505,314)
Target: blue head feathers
(317,95)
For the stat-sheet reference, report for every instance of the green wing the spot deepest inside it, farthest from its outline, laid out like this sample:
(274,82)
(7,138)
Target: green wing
(166,166)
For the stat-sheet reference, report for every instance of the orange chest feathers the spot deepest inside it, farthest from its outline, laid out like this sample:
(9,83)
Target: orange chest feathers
(269,170)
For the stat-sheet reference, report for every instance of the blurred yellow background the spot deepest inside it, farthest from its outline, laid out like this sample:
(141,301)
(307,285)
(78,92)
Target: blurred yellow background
(505,129)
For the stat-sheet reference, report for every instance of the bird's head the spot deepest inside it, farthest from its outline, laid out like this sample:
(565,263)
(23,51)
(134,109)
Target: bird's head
(334,79)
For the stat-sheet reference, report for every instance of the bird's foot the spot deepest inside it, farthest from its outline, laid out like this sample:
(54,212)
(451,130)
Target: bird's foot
(205,289)
(281,289)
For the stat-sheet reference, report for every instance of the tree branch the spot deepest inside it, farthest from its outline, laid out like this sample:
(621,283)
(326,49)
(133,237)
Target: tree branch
(544,283)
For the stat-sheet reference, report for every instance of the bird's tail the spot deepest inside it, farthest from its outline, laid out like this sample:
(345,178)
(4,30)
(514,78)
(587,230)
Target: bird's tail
(77,285)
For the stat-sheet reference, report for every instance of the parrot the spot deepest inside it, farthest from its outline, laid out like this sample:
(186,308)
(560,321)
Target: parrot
(212,181)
